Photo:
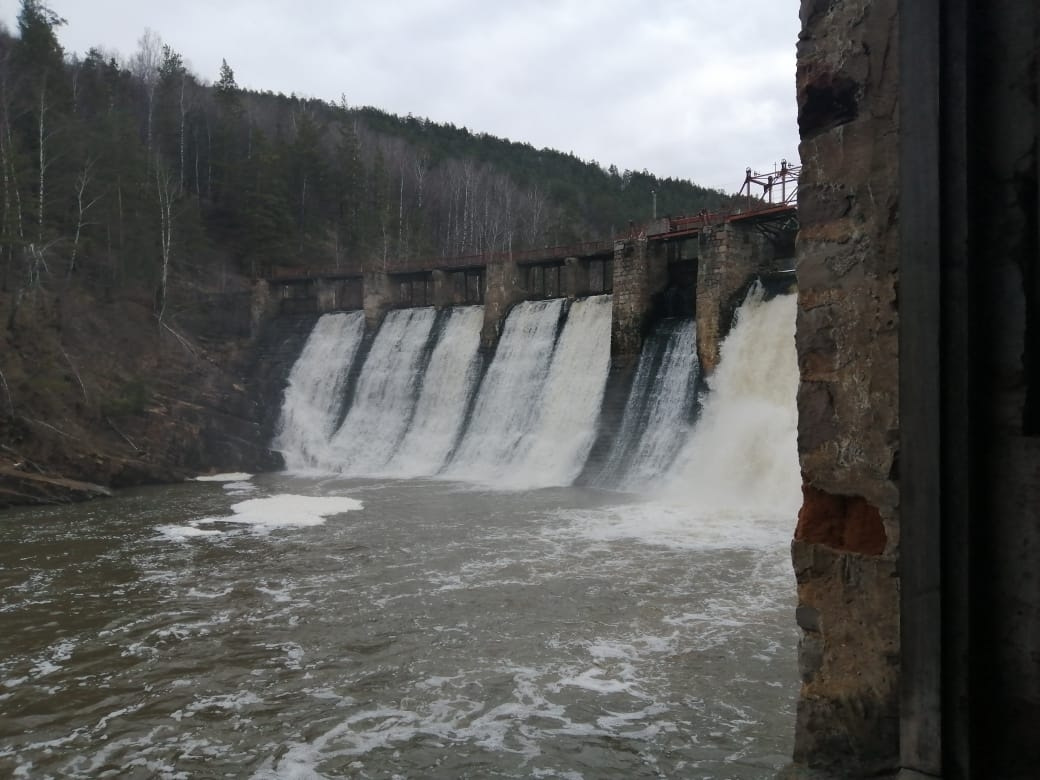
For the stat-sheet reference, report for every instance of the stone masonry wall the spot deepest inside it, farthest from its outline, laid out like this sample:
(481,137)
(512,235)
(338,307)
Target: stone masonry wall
(502,290)
(728,256)
(846,544)
(378,298)
(640,271)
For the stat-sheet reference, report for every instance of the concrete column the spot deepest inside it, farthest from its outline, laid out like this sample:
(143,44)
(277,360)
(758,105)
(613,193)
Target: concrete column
(443,289)
(575,277)
(502,290)
(378,297)
(325,293)
(640,272)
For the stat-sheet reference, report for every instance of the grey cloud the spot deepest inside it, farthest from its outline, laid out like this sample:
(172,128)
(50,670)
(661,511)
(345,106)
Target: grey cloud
(681,88)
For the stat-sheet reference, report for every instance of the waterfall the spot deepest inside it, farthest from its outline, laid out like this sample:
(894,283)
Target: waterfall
(656,420)
(507,405)
(742,455)
(535,415)
(314,396)
(560,442)
(447,387)
(386,395)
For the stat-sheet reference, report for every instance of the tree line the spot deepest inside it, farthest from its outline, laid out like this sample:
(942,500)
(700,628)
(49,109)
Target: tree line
(131,172)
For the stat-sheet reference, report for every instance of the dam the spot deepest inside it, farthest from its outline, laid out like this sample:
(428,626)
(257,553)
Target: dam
(538,527)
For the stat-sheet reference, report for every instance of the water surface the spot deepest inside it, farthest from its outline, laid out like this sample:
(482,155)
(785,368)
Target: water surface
(438,631)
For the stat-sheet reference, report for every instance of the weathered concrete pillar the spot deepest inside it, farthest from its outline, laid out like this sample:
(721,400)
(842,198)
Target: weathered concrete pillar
(729,255)
(640,272)
(503,289)
(575,277)
(325,293)
(378,297)
(443,289)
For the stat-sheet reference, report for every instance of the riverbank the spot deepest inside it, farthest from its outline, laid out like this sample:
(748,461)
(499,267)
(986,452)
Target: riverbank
(97,394)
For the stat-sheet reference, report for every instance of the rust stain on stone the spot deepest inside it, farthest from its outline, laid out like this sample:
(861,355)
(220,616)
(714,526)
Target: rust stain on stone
(848,523)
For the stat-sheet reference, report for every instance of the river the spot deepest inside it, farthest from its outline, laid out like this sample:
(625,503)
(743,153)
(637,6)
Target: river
(438,631)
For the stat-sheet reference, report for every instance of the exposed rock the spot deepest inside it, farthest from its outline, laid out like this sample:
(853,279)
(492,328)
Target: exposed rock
(847,523)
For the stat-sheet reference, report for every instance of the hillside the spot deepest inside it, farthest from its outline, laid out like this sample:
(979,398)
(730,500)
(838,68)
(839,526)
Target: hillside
(137,204)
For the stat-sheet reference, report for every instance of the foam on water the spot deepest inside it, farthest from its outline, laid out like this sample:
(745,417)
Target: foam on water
(233,476)
(263,515)
(676,524)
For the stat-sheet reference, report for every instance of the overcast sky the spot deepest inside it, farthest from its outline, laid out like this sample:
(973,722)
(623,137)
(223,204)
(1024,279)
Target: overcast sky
(696,89)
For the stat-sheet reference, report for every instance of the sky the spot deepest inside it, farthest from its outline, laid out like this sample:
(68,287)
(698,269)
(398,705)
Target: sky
(691,89)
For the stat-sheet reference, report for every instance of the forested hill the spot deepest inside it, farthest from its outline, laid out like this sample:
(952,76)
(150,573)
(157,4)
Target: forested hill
(136,170)
(137,205)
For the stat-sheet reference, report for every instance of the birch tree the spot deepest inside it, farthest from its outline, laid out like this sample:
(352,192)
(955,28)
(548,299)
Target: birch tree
(166,191)
(145,66)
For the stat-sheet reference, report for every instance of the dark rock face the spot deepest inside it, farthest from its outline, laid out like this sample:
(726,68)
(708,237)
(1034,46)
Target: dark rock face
(847,540)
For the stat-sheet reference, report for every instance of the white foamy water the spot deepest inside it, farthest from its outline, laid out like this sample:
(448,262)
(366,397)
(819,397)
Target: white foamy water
(385,398)
(508,402)
(534,421)
(742,455)
(314,397)
(270,513)
(447,385)
(232,476)
(655,424)
(560,442)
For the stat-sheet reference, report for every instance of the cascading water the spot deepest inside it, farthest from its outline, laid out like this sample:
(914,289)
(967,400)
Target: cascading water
(656,420)
(386,395)
(566,430)
(535,415)
(447,387)
(741,458)
(314,397)
(507,404)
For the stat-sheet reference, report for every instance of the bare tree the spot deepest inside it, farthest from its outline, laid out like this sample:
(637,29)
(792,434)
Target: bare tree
(44,162)
(145,66)
(82,207)
(166,190)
